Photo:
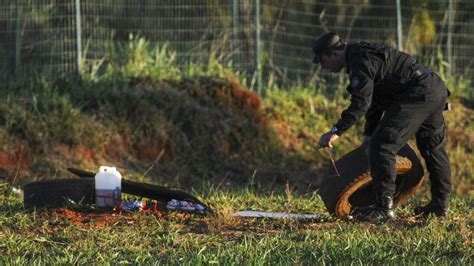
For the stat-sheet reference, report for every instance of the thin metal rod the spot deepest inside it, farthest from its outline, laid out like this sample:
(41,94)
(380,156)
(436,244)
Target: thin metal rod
(333,162)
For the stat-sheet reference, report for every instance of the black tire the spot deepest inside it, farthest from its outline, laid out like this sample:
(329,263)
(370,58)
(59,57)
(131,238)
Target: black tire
(58,192)
(356,180)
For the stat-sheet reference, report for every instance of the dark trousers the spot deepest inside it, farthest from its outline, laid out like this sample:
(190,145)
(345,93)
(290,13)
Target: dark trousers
(418,112)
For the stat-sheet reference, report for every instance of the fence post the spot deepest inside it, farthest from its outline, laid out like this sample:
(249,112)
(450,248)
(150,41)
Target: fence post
(17,40)
(235,24)
(449,43)
(78,38)
(399,26)
(257,47)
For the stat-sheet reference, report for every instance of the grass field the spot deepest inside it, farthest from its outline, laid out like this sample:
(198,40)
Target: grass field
(200,129)
(47,237)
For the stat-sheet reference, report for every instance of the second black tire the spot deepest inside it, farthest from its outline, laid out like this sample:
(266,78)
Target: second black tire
(354,165)
(58,192)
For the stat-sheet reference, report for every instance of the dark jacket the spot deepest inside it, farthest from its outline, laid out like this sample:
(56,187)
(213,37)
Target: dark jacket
(379,75)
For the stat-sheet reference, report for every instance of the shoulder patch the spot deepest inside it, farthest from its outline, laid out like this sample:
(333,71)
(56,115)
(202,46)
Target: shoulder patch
(354,82)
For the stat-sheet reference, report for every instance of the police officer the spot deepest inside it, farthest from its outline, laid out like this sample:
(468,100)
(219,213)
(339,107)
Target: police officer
(400,98)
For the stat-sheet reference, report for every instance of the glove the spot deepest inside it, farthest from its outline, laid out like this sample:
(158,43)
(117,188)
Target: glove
(327,139)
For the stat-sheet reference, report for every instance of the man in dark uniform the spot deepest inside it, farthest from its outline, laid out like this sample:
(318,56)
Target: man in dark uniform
(400,98)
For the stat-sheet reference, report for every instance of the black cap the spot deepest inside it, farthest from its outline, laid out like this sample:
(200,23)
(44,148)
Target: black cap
(324,42)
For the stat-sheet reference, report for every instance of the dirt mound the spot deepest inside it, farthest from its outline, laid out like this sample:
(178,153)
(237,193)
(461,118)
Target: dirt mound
(192,127)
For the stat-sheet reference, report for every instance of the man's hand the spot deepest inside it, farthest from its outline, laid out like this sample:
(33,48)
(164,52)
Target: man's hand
(327,139)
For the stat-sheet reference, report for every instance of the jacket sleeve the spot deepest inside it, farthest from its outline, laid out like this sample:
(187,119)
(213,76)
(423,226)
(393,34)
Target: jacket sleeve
(361,89)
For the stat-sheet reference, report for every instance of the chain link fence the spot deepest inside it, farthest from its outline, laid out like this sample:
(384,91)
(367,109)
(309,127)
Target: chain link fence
(266,40)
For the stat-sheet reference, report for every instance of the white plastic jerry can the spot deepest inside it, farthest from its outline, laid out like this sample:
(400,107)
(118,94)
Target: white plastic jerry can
(108,187)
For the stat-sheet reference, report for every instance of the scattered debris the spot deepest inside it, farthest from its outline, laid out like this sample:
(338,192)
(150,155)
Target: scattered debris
(186,206)
(279,215)
(132,206)
(87,217)
(17,191)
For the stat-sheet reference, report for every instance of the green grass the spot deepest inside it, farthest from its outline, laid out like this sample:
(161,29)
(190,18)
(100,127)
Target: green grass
(136,101)
(31,237)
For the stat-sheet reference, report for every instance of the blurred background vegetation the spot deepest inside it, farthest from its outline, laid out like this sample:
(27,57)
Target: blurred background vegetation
(168,88)
(56,36)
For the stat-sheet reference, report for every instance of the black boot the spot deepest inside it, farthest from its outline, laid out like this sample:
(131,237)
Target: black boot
(382,212)
(437,209)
